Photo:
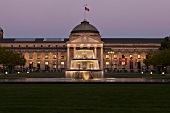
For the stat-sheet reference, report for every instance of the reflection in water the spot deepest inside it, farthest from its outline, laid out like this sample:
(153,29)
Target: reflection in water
(57,80)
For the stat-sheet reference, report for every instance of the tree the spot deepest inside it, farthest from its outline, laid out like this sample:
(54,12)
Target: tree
(161,58)
(9,59)
(165,44)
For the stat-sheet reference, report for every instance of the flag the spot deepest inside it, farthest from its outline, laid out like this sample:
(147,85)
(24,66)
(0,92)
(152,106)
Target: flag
(87,9)
(125,61)
(120,61)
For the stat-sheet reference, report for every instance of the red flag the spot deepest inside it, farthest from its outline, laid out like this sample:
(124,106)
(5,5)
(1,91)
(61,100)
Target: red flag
(87,9)
(125,61)
(120,61)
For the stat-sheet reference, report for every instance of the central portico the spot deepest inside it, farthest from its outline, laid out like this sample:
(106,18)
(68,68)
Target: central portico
(85,39)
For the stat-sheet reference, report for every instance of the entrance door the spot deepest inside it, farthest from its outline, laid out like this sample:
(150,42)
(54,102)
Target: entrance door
(31,66)
(38,66)
(138,65)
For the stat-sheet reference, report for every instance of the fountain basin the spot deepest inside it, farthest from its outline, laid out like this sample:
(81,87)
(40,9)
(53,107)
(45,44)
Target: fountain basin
(84,74)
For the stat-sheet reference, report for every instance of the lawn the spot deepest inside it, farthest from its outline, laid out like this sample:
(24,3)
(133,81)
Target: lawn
(84,98)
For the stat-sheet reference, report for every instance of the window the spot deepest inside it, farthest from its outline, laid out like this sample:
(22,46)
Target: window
(38,65)
(41,45)
(19,45)
(26,45)
(123,62)
(115,56)
(34,46)
(131,56)
(46,63)
(48,45)
(139,56)
(62,64)
(62,56)
(11,45)
(107,56)
(54,65)
(46,56)
(54,56)
(107,64)
(54,62)
(56,45)
(123,56)
(30,56)
(38,56)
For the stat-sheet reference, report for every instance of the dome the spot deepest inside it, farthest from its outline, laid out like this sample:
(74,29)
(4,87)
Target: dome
(85,27)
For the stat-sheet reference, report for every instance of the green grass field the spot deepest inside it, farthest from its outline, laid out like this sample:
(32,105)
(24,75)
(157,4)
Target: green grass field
(84,98)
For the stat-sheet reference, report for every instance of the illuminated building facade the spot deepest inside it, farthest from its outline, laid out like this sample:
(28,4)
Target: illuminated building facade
(55,54)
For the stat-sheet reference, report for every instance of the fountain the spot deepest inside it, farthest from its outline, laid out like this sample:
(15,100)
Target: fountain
(84,66)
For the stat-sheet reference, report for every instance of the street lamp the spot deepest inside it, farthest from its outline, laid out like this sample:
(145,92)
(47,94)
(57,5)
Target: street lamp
(111,52)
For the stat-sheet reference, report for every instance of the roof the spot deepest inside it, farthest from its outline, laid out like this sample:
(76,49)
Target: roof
(132,40)
(64,40)
(34,40)
(86,27)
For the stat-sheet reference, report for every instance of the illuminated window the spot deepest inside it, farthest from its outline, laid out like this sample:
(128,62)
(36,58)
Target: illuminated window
(107,56)
(54,56)
(46,63)
(47,66)
(54,66)
(107,63)
(123,63)
(62,64)
(131,56)
(115,56)
(139,56)
(46,56)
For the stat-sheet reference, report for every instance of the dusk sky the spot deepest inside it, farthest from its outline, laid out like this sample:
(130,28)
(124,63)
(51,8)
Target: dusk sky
(113,18)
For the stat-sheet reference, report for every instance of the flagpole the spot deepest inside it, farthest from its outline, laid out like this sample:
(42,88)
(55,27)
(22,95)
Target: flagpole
(84,12)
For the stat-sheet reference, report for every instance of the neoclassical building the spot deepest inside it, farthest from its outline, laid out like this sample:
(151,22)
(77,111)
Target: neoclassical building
(55,54)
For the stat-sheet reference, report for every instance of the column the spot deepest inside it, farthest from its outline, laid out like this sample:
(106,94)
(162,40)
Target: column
(68,55)
(101,62)
(74,52)
(95,52)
